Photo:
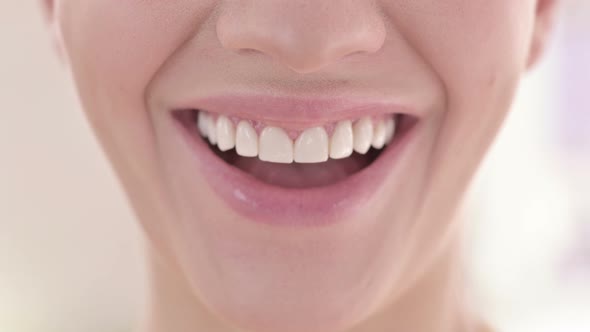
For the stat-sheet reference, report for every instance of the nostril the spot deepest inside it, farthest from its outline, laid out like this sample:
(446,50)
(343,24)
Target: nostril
(304,39)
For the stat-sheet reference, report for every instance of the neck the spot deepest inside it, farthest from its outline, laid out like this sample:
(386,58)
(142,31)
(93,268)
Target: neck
(435,302)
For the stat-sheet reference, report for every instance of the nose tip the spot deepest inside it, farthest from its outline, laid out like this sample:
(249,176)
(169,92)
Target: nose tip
(305,38)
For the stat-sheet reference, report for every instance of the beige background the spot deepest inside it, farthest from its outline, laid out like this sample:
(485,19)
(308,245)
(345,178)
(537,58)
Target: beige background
(69,248)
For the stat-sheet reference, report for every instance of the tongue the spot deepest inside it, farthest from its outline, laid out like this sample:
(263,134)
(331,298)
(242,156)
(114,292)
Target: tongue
(301,175)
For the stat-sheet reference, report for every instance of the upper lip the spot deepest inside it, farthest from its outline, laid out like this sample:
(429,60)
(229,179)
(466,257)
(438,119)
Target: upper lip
(295,110)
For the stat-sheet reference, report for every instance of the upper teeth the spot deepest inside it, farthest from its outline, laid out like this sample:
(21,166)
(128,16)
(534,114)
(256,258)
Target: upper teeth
(311,146)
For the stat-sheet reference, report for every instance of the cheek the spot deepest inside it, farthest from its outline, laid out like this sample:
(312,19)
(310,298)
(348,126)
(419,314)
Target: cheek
(467,43)
(114,48)
(483,52)
(478,49)
(117,47)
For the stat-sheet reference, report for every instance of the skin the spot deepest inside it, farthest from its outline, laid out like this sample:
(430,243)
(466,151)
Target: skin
(460,61)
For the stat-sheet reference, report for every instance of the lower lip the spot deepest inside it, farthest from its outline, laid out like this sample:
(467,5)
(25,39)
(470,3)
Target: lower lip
(273,205)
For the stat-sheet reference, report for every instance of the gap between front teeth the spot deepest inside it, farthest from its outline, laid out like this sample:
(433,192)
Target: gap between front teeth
(313,145)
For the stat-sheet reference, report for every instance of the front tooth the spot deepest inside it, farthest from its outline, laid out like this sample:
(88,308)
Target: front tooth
(211,130)
(312,146)
(363,135)
(226,134)
(202,123)
(389,130)
(379,135)
(275,146)
(246,140)
(342,140)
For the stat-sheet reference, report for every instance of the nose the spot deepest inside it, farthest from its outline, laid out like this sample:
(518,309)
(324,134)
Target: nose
(304,35)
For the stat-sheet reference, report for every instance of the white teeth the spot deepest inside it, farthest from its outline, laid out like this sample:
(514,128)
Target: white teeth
(389,130)
(246,140)
(363,135)
(342,140)
(226,134)
(379,135)
(275,146)
(211,130)
(202,123)
(312,146)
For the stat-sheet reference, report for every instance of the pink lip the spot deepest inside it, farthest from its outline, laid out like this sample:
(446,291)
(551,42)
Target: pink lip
(287,111)
(269,204)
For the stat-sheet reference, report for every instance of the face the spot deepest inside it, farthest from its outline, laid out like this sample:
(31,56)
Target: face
(298,160)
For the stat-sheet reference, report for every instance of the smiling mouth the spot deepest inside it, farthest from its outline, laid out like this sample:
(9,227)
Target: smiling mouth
(294,161)
(297,158)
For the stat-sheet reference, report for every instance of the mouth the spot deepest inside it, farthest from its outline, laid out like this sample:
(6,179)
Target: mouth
(313,157)
(307,171)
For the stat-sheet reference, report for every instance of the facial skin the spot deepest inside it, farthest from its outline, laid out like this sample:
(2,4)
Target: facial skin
(457,62)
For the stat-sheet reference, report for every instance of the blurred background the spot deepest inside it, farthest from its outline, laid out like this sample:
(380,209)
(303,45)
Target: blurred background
(70,250)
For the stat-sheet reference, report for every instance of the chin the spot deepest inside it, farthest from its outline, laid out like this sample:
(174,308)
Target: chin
(291,289)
